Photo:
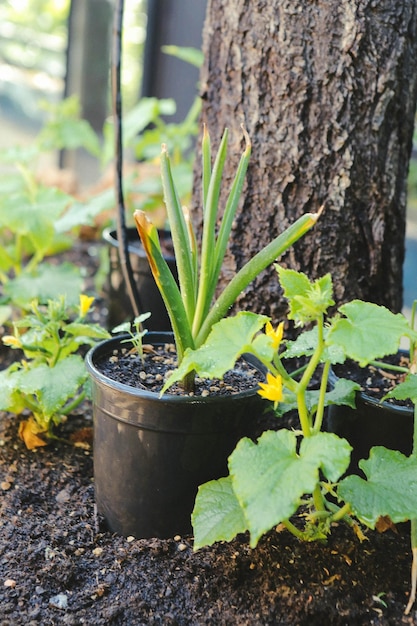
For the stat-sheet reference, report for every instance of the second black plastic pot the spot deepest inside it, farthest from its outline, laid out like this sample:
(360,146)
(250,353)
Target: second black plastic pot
(371,423)
(151,453)
(120,308)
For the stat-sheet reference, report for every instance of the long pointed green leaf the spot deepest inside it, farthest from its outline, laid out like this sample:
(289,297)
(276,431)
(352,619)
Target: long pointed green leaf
(206,159)
(180,238)
(207,260)
(229,215)
(252,268)
(165,282)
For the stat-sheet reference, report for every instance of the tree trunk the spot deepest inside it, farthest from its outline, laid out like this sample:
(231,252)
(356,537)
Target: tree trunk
(327,93)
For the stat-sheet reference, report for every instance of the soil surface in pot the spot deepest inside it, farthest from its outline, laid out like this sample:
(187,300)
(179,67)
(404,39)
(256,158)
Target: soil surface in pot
(375,381)
(128,367)
(58,566)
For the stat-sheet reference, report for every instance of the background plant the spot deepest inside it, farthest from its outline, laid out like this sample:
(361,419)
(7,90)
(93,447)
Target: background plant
(50,380)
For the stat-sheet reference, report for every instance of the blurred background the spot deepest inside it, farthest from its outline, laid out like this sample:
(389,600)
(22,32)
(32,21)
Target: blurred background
(52,49)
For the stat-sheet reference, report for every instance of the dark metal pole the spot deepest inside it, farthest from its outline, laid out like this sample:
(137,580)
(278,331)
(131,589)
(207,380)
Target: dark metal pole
(122,237)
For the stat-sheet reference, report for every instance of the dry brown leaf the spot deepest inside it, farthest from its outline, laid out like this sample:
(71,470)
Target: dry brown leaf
(30,432)
(385,523)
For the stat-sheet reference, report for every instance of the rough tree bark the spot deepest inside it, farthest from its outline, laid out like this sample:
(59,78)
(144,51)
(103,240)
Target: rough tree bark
(327,92)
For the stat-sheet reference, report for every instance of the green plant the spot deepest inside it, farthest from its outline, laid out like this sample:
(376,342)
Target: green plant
(135,331)
(49,381)
(293,478)
(190,306)
(38,220)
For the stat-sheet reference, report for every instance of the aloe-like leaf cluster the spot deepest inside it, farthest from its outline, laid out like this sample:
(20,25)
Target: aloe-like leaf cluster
(191,305)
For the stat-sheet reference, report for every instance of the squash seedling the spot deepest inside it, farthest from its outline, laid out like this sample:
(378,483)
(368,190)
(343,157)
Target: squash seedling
(49,382)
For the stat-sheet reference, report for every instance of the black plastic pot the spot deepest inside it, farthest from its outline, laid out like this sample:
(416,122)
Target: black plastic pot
(372,423)
(119,305)
(151,453)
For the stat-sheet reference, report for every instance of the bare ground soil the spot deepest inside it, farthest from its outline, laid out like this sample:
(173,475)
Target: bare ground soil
(59,565)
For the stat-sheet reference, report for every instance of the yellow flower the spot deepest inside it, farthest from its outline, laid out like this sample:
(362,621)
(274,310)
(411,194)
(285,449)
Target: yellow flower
(275,335)
(85,304)
(272,389)
(13,342)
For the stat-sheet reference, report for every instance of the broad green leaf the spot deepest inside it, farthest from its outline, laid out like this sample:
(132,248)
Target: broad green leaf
(369,331)
(308,300)
(80,213)
(269,478)
(390,488)
(48,283)
(72,134)
(10,397)
(405,390)
(5,313)
(228,340)
(84,332)
(331,451)
(263,346)
(306,343)
(146,112)
(343,393)
(53,386)
(217,515)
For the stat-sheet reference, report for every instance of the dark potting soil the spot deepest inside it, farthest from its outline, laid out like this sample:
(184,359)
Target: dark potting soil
(375,381)
(150,372)
(59,566)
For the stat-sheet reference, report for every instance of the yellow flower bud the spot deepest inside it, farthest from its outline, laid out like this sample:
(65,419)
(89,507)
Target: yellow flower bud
(12,341)
(85,304)
(272,389)
(276,335)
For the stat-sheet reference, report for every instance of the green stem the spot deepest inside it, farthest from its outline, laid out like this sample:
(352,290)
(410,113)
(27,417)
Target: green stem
(341,513)
(303,413)
(295,531)
(276,368)
(388,366)
(305,381)
(75,403)
(322,397)
(318,499)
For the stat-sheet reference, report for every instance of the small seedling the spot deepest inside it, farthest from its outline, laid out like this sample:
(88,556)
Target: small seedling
(136,335)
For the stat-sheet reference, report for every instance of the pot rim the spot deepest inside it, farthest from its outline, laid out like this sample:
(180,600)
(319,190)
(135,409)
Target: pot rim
(103,347)
(110,236)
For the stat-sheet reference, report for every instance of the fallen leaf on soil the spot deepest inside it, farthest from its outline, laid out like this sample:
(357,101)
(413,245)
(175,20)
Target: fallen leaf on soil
(82,438)
(29,431)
